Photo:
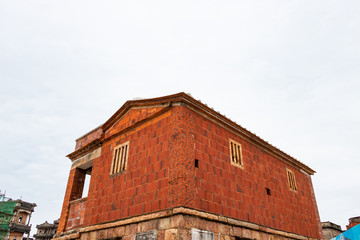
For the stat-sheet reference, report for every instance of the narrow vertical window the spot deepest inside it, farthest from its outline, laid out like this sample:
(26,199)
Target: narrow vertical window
(86,183)
(120,157)
(291,179)
(235,153)
(196,163)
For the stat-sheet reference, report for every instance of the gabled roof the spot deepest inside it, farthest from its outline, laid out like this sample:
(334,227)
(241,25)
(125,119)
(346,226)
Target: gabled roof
(197,106)
(166,100)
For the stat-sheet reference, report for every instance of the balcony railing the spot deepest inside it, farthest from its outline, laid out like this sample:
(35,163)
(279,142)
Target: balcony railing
(15,227)
(76,213)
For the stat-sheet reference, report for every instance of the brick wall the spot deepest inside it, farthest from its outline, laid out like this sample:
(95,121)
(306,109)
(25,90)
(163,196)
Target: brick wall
(76,214)
(143,187)
(74,190)
(82,141)
(181,158)
(239,193)
(353,222)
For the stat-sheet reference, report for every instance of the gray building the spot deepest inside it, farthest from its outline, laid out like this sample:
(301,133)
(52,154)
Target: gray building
(330,230)
(46,230)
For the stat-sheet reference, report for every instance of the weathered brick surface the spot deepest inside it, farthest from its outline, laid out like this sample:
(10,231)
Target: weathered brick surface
(161,174)
(240,193)
(353,222)
(76,214)
(91,136)
(181,159)
(143,187)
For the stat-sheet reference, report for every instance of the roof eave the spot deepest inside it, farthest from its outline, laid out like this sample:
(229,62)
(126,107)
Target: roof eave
(199,106)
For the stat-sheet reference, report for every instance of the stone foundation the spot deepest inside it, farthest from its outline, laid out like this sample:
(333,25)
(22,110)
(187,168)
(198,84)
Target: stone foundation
(176,224)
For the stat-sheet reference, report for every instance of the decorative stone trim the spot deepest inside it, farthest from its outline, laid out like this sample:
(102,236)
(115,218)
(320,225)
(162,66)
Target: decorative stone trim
(78,200)
(87,159)
(85,149)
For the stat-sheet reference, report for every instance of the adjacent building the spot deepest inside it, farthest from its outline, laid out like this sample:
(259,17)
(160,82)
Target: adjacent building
(353,233)
(46,231)
(353,222)
(330,230)
(20,224)
(173,168)
(15,216)
(6,214)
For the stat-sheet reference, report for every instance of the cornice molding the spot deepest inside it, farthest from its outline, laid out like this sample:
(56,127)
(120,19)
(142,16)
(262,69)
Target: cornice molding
(85,149)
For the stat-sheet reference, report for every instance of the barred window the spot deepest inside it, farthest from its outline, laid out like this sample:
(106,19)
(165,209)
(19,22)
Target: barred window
(235,153)
(120,157)
(149,235)
(291,179)
(198,234)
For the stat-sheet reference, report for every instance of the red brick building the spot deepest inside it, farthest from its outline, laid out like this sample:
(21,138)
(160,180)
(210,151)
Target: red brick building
(173,168)
(354,221)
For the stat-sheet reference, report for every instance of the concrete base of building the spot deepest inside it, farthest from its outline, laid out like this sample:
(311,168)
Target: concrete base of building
(175,224)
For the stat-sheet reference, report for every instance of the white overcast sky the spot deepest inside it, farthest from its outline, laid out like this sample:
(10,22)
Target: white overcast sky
(289,71)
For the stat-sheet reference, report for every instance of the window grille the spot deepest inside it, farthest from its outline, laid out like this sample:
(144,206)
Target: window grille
(149,235)
(291,179)
(235,153)
(197,234)
(120,157)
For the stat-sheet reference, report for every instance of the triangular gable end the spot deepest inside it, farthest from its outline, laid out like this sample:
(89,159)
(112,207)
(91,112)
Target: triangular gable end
(130,118)
(137,104)
(135,111)
(131,113)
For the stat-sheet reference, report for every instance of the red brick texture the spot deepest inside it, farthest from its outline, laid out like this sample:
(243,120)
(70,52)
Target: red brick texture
(239,193)
(91,136)
(161,174)
(181,159)
(143,187)
(351,225)
(76,214)
(73,191)
(353,222)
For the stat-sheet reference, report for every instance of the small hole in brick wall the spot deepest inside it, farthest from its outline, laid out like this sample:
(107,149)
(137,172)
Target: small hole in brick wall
(268,191)
(241,238)
(196,163)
